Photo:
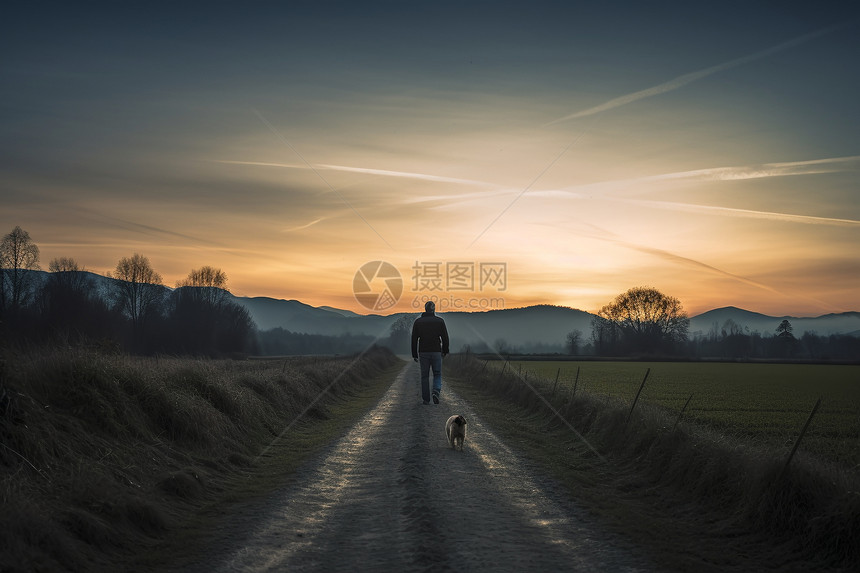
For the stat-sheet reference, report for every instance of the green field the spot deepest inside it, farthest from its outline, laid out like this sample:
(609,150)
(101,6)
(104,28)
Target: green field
(754,403)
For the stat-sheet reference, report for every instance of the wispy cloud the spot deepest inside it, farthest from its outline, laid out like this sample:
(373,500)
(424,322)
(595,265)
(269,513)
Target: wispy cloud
(745,213)
(305,226)
(728,173)
(785,169)
(408,175)
(260,163)
(366,171)
(598,233)
(286,142)
(691,77)
(149,230)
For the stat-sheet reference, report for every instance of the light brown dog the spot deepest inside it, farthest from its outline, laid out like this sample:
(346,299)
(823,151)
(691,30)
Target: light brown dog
(455,428)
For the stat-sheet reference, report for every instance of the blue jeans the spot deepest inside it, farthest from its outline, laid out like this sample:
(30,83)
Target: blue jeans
(430,360)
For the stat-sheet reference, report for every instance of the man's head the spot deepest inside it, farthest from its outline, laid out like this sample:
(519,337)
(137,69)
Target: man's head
(430,306)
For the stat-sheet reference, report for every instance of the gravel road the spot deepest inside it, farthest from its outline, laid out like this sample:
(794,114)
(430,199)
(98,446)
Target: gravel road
(391,495)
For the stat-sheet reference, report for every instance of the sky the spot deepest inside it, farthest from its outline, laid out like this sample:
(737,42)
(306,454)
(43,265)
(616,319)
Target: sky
(493,154)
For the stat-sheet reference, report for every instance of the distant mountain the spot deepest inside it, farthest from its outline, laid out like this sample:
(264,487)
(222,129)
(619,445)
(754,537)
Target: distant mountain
(297,316)
(533,325)
(542,324)
(841,323)
(518,326)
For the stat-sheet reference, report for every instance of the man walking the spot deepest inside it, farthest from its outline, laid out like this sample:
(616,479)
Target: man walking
(429,347)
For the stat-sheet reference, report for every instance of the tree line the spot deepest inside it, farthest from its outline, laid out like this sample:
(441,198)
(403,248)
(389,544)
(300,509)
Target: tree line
(134,312)
(645,322)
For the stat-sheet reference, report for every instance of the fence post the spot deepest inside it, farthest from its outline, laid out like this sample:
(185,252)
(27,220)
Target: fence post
(800,437)
(554,386)
(684,409)
(636,399)
(575,382)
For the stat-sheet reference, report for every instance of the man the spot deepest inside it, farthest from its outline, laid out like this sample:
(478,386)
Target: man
(430,346)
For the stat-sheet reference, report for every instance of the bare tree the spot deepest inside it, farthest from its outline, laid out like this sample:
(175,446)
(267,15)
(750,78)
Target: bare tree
(138,288)
(206,284)
(400,333)
(66,272)
(574,337)
(647,319)
(18,256)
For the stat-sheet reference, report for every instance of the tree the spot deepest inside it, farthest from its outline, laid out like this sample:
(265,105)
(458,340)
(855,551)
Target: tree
(574,337)
(204,320)
(210,284)
(784,330)
(70,309)
(138,289)
(18,256)
(400,334)
(785,340)
(641,320)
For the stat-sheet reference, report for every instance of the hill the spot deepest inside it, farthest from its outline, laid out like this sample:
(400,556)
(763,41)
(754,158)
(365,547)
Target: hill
(841,323)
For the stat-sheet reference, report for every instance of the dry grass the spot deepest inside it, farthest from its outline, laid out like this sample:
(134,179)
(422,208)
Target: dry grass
(103,457)
(700,500)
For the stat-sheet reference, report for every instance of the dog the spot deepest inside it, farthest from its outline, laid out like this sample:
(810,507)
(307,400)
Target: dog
(455,428)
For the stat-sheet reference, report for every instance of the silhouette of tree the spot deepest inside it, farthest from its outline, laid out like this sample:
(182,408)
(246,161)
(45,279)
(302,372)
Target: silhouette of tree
(786,343)
(70,309)
(400,333)
(138,289)
(784,330)
(18,256)
(203,318)
(574,337)
(210,284)
(641,320)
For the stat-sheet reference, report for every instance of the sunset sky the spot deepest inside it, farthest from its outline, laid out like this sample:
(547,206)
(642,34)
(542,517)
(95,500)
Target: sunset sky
(711,151)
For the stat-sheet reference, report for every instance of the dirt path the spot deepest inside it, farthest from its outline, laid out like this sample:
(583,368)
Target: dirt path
(392,496)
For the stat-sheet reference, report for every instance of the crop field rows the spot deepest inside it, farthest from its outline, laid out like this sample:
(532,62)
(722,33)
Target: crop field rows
(764,405)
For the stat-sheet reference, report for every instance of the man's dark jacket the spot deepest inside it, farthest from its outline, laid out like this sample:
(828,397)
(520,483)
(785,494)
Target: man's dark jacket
(429,335)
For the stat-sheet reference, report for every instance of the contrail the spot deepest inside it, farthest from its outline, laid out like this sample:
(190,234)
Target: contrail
(260,163)
(734,173)
(747,213)
(305,226)
(604,235)
(685,79)
(365,170)
(318,174)
(783,169)
(408,175)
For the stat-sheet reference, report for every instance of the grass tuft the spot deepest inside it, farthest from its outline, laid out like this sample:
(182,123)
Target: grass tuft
(695,485)
(103,455)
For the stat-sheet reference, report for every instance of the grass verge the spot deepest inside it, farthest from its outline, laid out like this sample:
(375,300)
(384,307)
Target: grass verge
(694,499)
(114,463)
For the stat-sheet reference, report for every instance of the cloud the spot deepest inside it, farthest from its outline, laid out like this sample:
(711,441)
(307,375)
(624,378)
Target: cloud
(366,171)
(260,163)
(785,169)
(407,174)
(305,226)
(730,173)
(691,77)
(746,213)
(608,236)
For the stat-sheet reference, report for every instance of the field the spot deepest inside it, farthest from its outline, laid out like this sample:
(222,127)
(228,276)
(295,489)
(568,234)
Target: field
(761,404)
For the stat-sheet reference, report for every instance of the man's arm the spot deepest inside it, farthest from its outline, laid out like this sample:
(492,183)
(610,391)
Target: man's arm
(445,341)
(414,344)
